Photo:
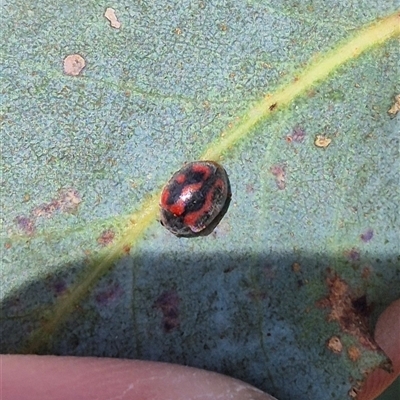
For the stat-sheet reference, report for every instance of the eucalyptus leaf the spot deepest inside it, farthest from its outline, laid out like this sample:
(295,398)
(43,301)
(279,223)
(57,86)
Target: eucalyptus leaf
(291,97)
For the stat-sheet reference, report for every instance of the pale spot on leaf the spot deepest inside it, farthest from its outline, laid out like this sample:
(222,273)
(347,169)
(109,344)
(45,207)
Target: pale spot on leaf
(74,64)
(110,15)
(322,141)
(395,107)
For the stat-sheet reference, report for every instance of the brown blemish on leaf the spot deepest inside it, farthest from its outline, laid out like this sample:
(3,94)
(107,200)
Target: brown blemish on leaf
(206,104)
(395,107)
(168,303)
(334,344)
(311,93)
(354,353)
(350,311)
(322,141)
(110,15)
(46,209)
(366,272)
(296,267)
(273,106)
(68,200)
(106,237)
(279,172)
(257,295)
(74,64)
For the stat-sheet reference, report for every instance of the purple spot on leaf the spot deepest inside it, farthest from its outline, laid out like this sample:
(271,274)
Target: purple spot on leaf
(106,237)
(26,224)
(60,286)
(353,254)
(367,235)
(110,294)
(297,135)
(168,303)
(279,172)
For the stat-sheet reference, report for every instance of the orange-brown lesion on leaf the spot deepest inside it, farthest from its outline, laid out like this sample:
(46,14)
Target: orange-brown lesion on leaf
(354,353)
(349,310)
(395,107)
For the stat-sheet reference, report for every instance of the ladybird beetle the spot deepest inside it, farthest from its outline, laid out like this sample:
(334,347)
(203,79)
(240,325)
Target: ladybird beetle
(195,199)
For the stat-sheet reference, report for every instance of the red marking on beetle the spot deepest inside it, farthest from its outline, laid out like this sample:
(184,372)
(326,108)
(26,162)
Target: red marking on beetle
(205,170)
(165,196)
(367,235)
(188,190)
(178,208)
(168,302)
(193,218)
(181,178)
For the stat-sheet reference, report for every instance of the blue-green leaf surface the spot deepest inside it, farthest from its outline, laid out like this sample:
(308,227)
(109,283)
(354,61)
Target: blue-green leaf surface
(86,267)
